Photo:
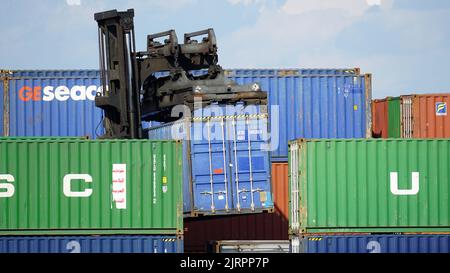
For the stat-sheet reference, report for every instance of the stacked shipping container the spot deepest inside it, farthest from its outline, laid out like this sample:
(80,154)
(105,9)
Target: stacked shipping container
(368,186)
(51,103)
(72,186)
(314,106)
(377,243)
(325,103)
(412,116)
(199,232)
(311,103)
(92,244)
(226,155)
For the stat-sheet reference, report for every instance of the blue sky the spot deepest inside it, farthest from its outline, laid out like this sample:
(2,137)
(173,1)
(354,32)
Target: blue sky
(405,44)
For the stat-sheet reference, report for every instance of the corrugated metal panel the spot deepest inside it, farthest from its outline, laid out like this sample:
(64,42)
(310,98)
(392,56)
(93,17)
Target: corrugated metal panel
(229,162)
(237,151)
(432,243)
(430,116)
(91,244)
(380,118)
(270,72)
(90,187)
(177,130)
(253,246)
(316,107)
(290,72)
(280,186)
(81,117)
(378,185)
(394,117)
(54,106)
(81,73)
(199,232)
(228,72)
(406,117)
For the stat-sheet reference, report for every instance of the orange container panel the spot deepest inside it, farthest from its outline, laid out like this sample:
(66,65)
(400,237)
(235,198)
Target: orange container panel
(380,120)
(280,188)
(430,116)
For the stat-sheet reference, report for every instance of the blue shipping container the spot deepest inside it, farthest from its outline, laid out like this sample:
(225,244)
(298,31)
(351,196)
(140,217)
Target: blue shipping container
(316,106)
(53,105)
(311,104)
(430,243)
(91,244)
(227,159)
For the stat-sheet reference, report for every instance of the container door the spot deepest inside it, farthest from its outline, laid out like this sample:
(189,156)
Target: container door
(294,208)
(250,163)
(209,155)
(406,117)
(394,117)
(177,130)
(380,119)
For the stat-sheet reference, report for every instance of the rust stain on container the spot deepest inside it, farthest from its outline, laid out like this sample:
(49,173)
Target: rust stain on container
(199,232)
(430,116)
(380,118)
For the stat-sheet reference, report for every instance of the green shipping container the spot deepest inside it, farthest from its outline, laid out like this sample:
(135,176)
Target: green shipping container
(73,186)
(394,117)
(376,185)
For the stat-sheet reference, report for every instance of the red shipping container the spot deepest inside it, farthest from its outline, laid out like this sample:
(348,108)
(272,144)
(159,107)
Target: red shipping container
(430,116)
(380,118)
(280,188)
(199,232)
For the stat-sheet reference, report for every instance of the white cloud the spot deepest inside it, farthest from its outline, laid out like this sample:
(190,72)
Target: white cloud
(170,5)
(280,35)
(372,35)
(350,7)
(245,2)
(373,2)
(73,2)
